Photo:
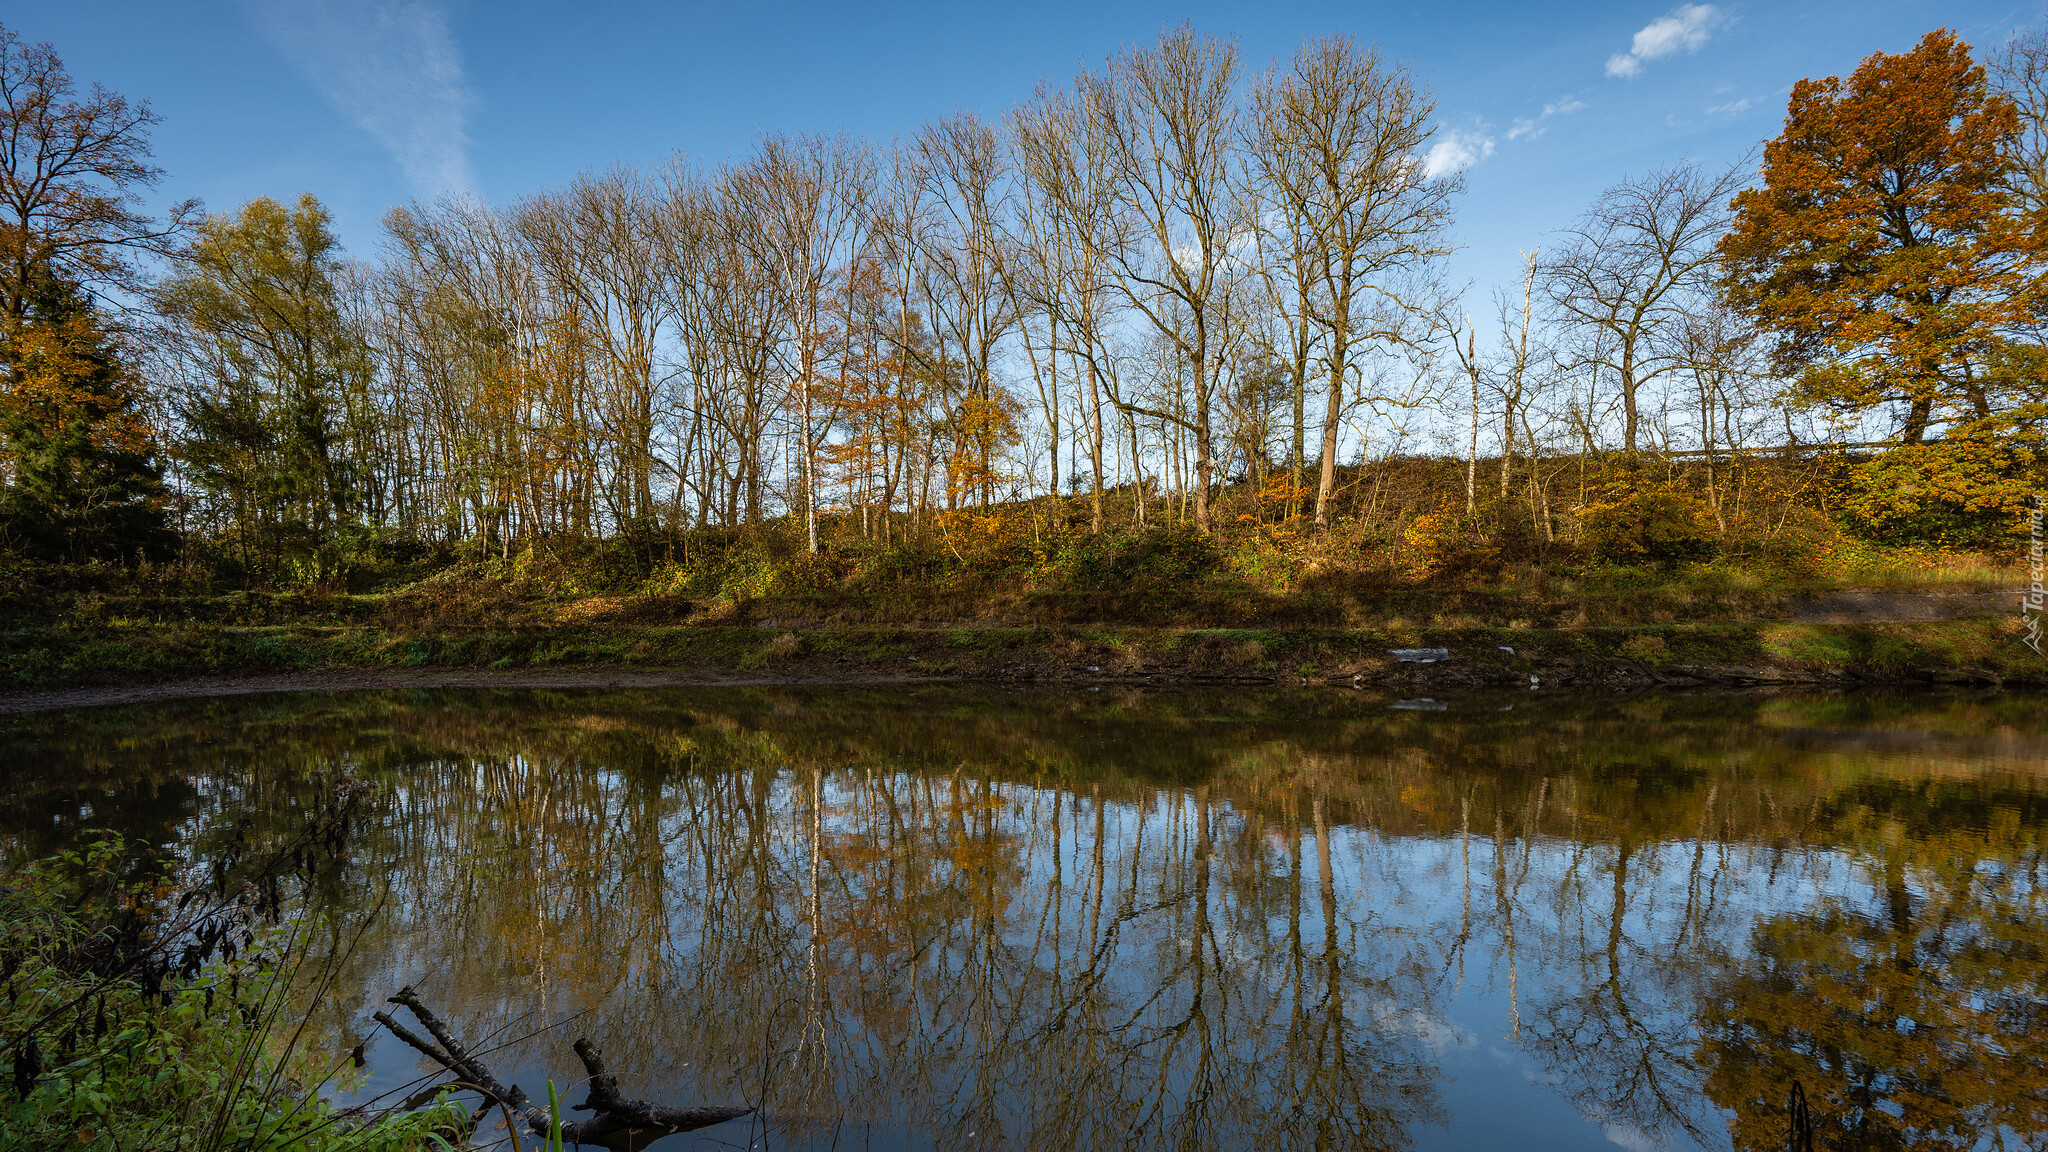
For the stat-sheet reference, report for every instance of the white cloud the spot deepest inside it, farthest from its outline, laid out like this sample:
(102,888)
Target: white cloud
(1686,28)
(1632,1138)
(392,68)
(1454,152)
(1734,107)
(1533,127)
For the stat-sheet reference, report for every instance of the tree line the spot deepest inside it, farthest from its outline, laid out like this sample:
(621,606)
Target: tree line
(1169,278)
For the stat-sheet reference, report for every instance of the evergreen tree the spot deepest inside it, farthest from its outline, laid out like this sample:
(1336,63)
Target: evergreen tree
(82,482)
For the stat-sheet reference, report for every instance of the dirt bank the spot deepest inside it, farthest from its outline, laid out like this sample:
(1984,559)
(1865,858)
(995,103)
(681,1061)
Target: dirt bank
(143,665)
(369,679)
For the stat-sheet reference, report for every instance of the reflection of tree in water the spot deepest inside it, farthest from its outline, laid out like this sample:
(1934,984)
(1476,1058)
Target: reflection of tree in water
(1912,1010)
(1066,924)
(992,963)
(1027,968)
(1615,1035)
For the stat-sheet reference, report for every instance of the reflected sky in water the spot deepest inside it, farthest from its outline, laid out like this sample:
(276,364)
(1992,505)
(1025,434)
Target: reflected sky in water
(922,917)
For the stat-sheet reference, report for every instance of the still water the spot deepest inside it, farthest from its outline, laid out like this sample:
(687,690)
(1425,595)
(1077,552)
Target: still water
(911,918)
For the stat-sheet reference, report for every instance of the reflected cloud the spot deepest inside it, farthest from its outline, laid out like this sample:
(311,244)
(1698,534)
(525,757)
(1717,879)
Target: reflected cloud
(1244,919)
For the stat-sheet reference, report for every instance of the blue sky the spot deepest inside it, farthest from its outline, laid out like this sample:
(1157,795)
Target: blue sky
(369,103)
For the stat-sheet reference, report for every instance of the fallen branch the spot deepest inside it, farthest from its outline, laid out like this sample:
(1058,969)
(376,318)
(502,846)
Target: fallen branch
(617,1123)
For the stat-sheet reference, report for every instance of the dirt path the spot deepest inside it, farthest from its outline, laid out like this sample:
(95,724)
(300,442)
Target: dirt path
(1903,607)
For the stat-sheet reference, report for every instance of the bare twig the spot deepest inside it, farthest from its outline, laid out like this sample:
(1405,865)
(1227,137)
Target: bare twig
(616,1122)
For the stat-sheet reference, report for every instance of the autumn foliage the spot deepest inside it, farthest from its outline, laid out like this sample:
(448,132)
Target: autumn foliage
(1147,288)
(1885,249)
(76,446)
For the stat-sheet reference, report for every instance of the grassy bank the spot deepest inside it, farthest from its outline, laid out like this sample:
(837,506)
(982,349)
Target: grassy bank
(1156,603)
(1984,650)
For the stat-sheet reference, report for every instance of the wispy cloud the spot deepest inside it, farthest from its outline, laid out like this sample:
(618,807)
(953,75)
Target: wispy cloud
(1631,1137)
(392,68)
(1734,107)
(1455,151)
(1686,28)
(1533,127)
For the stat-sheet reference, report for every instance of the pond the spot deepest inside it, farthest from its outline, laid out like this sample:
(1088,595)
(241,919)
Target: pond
(914,917)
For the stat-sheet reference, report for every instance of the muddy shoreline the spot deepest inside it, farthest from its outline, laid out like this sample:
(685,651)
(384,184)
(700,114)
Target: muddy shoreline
(385,679)
(1844,641)
(1610,675)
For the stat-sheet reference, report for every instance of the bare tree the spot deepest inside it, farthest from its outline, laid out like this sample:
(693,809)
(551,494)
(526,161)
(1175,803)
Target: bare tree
(1468,359)
(897,244)
(1725,366)
(458,305)
(69,171)
(1336,141)
(1519,378)
(741,293)
(2020,73)
(965,164)
(1066,215)
(1513,377)
(1167,118)
(598,244)
(808,199)
(686,222)
(1632,271)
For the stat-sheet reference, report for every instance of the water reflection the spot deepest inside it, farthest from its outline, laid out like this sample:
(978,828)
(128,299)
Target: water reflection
(1224,921)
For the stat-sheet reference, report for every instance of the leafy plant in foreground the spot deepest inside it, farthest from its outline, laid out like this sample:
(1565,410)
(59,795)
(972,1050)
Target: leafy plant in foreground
(140,1013)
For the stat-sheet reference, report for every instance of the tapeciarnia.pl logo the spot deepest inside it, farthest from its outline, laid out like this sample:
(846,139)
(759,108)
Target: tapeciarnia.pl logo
(2034,605)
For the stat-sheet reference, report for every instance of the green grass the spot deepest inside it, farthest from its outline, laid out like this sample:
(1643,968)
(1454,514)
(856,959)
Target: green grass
(131,1049)
(1164,605)
(1991,647)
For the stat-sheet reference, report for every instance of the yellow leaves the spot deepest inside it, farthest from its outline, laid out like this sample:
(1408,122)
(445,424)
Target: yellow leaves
(985,428)
(1900,1023)
(1964,491)
(1648,521)
(986,535)
(62,379)
(1282,500)
(1441,541)
(1420,800)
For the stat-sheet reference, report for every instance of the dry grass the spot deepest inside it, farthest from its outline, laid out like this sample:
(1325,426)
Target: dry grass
(1648,648)
(1941,572)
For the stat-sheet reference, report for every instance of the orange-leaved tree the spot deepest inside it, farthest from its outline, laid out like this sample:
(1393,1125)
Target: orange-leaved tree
(1886,250)
(78,473)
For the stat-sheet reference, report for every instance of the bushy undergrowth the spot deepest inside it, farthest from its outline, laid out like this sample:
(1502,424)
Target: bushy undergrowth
(1401,543)
(1167,556)
(1649,521)
(1956,493)
(146,1015)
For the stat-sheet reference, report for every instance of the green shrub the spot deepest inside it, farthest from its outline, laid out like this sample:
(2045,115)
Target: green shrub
(1962,492)
(1648,521)
(138,1019)
(904,564)
(1156,557)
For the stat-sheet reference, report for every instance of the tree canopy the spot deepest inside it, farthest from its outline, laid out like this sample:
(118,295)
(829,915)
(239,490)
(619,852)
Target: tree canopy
(1886,249)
